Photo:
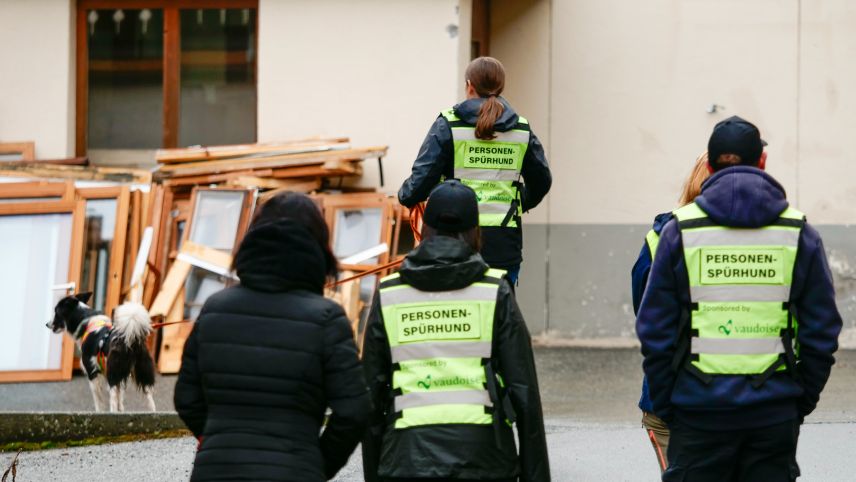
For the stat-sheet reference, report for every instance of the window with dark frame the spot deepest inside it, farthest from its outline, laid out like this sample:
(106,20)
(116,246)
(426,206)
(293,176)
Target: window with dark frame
(165,73)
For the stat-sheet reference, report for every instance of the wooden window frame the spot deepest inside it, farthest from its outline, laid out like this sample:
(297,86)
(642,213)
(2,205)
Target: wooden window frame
(121,194)
(332,204)
(63,191)
(77,211)
(243,222)
(171,59)
(26,149)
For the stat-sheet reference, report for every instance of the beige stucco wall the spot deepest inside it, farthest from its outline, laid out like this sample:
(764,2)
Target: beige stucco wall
(374,70)
(827,109)
(37,80)
(520,39)
(631,83)
(624,88)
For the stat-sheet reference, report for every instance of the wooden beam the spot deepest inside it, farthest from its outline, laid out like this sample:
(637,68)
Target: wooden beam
(50,171)
(189,154)
(177,274)
(303,187)
(170,288)
(171,76)
(355,169)
(296,160)
(297,185)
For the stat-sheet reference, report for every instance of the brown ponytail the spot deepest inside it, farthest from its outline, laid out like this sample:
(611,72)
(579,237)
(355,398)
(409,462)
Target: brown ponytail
(487,76)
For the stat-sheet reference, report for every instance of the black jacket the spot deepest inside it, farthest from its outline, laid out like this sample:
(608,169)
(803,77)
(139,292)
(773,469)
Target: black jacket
(264,362)
(501,247)
(457,451)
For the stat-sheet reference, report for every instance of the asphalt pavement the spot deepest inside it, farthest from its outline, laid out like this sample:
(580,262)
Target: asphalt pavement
(592,425)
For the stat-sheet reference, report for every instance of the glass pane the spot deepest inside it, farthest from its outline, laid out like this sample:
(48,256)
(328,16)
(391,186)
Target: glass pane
(100,226)
(216,217)
(218,77)
(357,230)
(199,286)
(125,78)
(34,255)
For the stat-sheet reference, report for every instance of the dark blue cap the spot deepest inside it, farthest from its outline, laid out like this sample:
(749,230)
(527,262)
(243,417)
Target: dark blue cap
(735,136)
(452,207)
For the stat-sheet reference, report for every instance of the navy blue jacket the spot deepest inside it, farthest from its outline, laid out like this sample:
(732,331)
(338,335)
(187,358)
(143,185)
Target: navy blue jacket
(638,280)
(744,197)
(501,247)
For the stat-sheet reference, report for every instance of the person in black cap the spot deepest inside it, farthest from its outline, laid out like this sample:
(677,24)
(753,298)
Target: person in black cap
(738,323)
(449,362)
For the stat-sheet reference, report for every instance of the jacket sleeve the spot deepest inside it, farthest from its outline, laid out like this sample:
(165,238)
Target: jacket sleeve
(377,367)
(436,158)
(536,174)
(346,393)
(516,365)
(657,323)
(819,322)
(189,398)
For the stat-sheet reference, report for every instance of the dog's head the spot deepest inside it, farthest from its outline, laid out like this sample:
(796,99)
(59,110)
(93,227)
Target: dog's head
(69,311)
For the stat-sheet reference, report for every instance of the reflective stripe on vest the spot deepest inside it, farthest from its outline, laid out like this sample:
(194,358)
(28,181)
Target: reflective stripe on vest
(491,168)
(739,282)
(438,342)
(652,239)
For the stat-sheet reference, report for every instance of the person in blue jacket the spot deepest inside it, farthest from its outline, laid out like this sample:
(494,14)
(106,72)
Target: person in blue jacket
(736,427)
(658,432)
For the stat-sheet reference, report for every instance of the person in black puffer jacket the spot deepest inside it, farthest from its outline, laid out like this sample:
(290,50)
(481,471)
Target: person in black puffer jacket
(269,356)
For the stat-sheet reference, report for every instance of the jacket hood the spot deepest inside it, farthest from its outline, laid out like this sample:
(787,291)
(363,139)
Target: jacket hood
(281,256)
(742,197)
(442,263)
(468,111)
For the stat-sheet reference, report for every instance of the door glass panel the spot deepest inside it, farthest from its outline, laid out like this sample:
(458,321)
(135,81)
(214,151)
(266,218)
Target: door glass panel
(218,78)
(100,227)
(125,78)
(34,255)
(357,230)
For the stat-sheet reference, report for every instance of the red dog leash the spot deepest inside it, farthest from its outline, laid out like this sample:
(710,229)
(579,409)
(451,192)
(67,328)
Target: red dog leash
(384,267)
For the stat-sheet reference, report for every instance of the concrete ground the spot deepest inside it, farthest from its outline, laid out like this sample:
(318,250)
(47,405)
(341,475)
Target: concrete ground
(592,425)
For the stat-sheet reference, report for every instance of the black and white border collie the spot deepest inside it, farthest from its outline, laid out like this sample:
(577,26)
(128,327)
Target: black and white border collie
(114,350)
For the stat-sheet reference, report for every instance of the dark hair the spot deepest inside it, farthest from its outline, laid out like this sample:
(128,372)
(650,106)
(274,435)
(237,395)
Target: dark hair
(471,236)
(301,209)
(487,76)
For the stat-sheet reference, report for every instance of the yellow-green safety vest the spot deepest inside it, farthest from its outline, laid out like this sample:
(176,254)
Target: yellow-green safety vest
(491,168)
(741,322)
(440,343)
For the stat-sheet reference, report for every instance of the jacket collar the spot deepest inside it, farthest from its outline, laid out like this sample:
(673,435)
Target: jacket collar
(442,263)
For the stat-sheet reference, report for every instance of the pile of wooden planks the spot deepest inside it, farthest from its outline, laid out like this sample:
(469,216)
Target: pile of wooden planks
(175,229)
(300,160)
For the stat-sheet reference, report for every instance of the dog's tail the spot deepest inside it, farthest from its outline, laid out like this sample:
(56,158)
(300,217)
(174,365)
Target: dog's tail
(132,323)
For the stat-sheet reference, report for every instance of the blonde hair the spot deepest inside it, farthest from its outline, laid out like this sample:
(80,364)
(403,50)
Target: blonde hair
(692,186)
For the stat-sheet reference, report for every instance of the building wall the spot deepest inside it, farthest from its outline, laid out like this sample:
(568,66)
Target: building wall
(37,83)
(377,71)
(629,85)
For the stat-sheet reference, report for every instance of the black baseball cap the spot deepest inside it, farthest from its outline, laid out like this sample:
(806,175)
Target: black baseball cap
(452,207)
(735,135)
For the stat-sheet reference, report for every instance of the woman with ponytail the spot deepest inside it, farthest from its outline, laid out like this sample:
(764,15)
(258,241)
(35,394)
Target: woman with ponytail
(485,144)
